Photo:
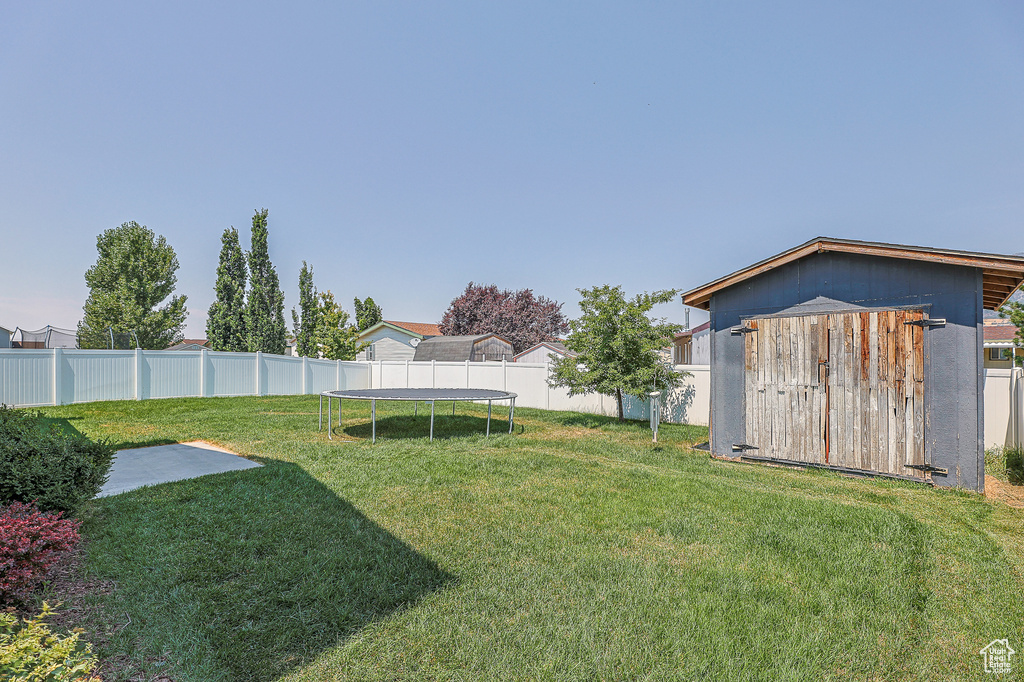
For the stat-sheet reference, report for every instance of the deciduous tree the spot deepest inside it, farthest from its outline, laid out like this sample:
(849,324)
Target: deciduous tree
(264,309)
(336,339)
(617,346)
(368,313)
(306,320)
(132,277)
(225,324)
(518,316)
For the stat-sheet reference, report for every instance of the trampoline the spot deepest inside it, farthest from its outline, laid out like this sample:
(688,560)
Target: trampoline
(417,395)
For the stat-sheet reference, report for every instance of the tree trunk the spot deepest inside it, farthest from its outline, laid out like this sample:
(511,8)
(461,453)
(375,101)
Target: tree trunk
(618,401)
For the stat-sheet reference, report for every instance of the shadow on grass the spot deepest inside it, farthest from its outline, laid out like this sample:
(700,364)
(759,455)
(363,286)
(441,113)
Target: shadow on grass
(445,426)
(247,575)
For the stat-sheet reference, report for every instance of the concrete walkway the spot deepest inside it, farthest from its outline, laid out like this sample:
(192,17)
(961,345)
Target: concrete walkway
(164,463)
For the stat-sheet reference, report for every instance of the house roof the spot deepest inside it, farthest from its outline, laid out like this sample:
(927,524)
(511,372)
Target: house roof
(999,332)
(190,344)
(419,330)
(555,346)
(1001,275)
(450,348)
(695,331)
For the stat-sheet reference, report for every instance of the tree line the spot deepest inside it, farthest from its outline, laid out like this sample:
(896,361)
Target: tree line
(615,344)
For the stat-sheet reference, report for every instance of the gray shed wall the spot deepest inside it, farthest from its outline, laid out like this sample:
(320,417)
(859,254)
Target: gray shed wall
(845,282)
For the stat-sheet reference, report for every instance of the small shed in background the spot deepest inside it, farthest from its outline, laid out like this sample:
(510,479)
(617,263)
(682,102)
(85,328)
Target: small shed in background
(475,348)
(692,346)
(5,337)
(392,340)
(856,356)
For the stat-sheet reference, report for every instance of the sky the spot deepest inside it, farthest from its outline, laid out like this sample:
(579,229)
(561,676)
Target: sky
(405,149)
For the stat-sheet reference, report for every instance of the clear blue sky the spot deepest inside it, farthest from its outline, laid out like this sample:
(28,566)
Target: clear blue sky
(407,148)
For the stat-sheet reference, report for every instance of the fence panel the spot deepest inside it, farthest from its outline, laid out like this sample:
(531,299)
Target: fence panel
(90,375)
(167,375)
(283,375)
(26,377)
(230,374)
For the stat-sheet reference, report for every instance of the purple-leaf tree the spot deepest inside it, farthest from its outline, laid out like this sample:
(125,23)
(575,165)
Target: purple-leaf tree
(517,316)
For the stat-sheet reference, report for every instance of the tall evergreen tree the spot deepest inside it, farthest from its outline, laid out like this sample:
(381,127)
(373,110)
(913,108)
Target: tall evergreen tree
(225,324)
(264,309)
(305,321)
(368,313)
(133,275)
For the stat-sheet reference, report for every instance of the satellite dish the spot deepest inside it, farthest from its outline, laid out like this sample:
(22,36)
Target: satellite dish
(414,343)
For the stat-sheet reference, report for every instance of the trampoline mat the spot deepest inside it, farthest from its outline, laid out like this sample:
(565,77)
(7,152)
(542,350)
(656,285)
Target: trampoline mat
(423,394)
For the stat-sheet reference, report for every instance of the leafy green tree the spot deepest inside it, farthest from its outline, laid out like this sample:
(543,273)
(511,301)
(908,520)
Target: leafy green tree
(264,310)
(368,313)
(336,339)
(132,277)
(225,324)
(305,321)
(1015,311)
(617,346)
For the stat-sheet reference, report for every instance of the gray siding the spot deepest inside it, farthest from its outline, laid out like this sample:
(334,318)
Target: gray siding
(834,282)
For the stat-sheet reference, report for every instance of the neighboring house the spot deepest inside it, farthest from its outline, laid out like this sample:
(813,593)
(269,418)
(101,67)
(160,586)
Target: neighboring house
(693,346)
(544,352)
(475,348)
(856,356)
(999,335)
(5,337)
(391,340)
(191,344)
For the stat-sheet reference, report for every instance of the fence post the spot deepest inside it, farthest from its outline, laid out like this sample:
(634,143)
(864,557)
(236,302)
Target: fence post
(138,374)
(433,373)
(203,359)
(259,363)
(407,373)
(504,374)
(467,373)
(337,383)
(305,371)
(57,353)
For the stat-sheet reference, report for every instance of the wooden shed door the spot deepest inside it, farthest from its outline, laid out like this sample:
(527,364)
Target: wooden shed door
(844,389)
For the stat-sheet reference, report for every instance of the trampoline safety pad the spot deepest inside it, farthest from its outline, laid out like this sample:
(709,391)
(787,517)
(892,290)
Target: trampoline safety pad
(417,395)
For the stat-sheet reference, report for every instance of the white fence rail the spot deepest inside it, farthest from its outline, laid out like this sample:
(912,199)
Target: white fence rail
(32,378)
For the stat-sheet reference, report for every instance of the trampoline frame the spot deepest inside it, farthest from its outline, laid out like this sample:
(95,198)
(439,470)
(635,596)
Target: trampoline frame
(482,394)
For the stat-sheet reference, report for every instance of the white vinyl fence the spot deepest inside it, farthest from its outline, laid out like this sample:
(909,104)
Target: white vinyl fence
(32,378)
(688,404)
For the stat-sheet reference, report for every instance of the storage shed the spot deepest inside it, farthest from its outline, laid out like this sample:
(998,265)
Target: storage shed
(856,356)
(478,348)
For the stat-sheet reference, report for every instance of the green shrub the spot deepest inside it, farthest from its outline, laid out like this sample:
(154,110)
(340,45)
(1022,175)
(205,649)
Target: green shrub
(1014,465)
(29,652)
(57,470)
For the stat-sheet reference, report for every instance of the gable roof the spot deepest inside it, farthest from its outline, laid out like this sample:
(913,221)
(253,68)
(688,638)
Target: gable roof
(453,348)
(555,346)
(1001,275)
(419,330)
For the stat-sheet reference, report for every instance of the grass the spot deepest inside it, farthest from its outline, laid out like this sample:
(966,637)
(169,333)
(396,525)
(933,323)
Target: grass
(573,549)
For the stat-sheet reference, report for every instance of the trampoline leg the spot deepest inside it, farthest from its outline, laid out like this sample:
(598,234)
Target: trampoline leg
(453,408)
(320,426)
(488,417)
(330,428)
(373,418)
(416,408)
(431,420)
(511,413)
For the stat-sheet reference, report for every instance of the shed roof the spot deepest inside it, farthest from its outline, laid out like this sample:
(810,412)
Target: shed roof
(556,346)
(450,348)
(1001,275)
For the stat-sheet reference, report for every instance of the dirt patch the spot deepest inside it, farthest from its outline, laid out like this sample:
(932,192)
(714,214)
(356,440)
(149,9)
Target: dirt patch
(1012,495)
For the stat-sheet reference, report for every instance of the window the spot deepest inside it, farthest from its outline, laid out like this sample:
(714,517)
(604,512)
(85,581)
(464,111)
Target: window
(995,354)
(369,352)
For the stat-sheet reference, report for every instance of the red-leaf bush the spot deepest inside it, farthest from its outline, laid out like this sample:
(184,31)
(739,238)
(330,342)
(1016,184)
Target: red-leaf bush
(30,542)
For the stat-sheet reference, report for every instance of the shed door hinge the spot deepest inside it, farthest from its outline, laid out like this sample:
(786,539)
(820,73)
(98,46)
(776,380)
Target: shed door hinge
(743,447)
(927,467)
(736,331)
(935,322)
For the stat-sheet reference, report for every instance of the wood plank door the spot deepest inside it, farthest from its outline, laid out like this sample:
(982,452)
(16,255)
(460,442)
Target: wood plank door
(844,389)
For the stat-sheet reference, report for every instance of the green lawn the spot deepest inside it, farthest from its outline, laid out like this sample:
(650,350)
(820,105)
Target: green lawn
(574,549)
